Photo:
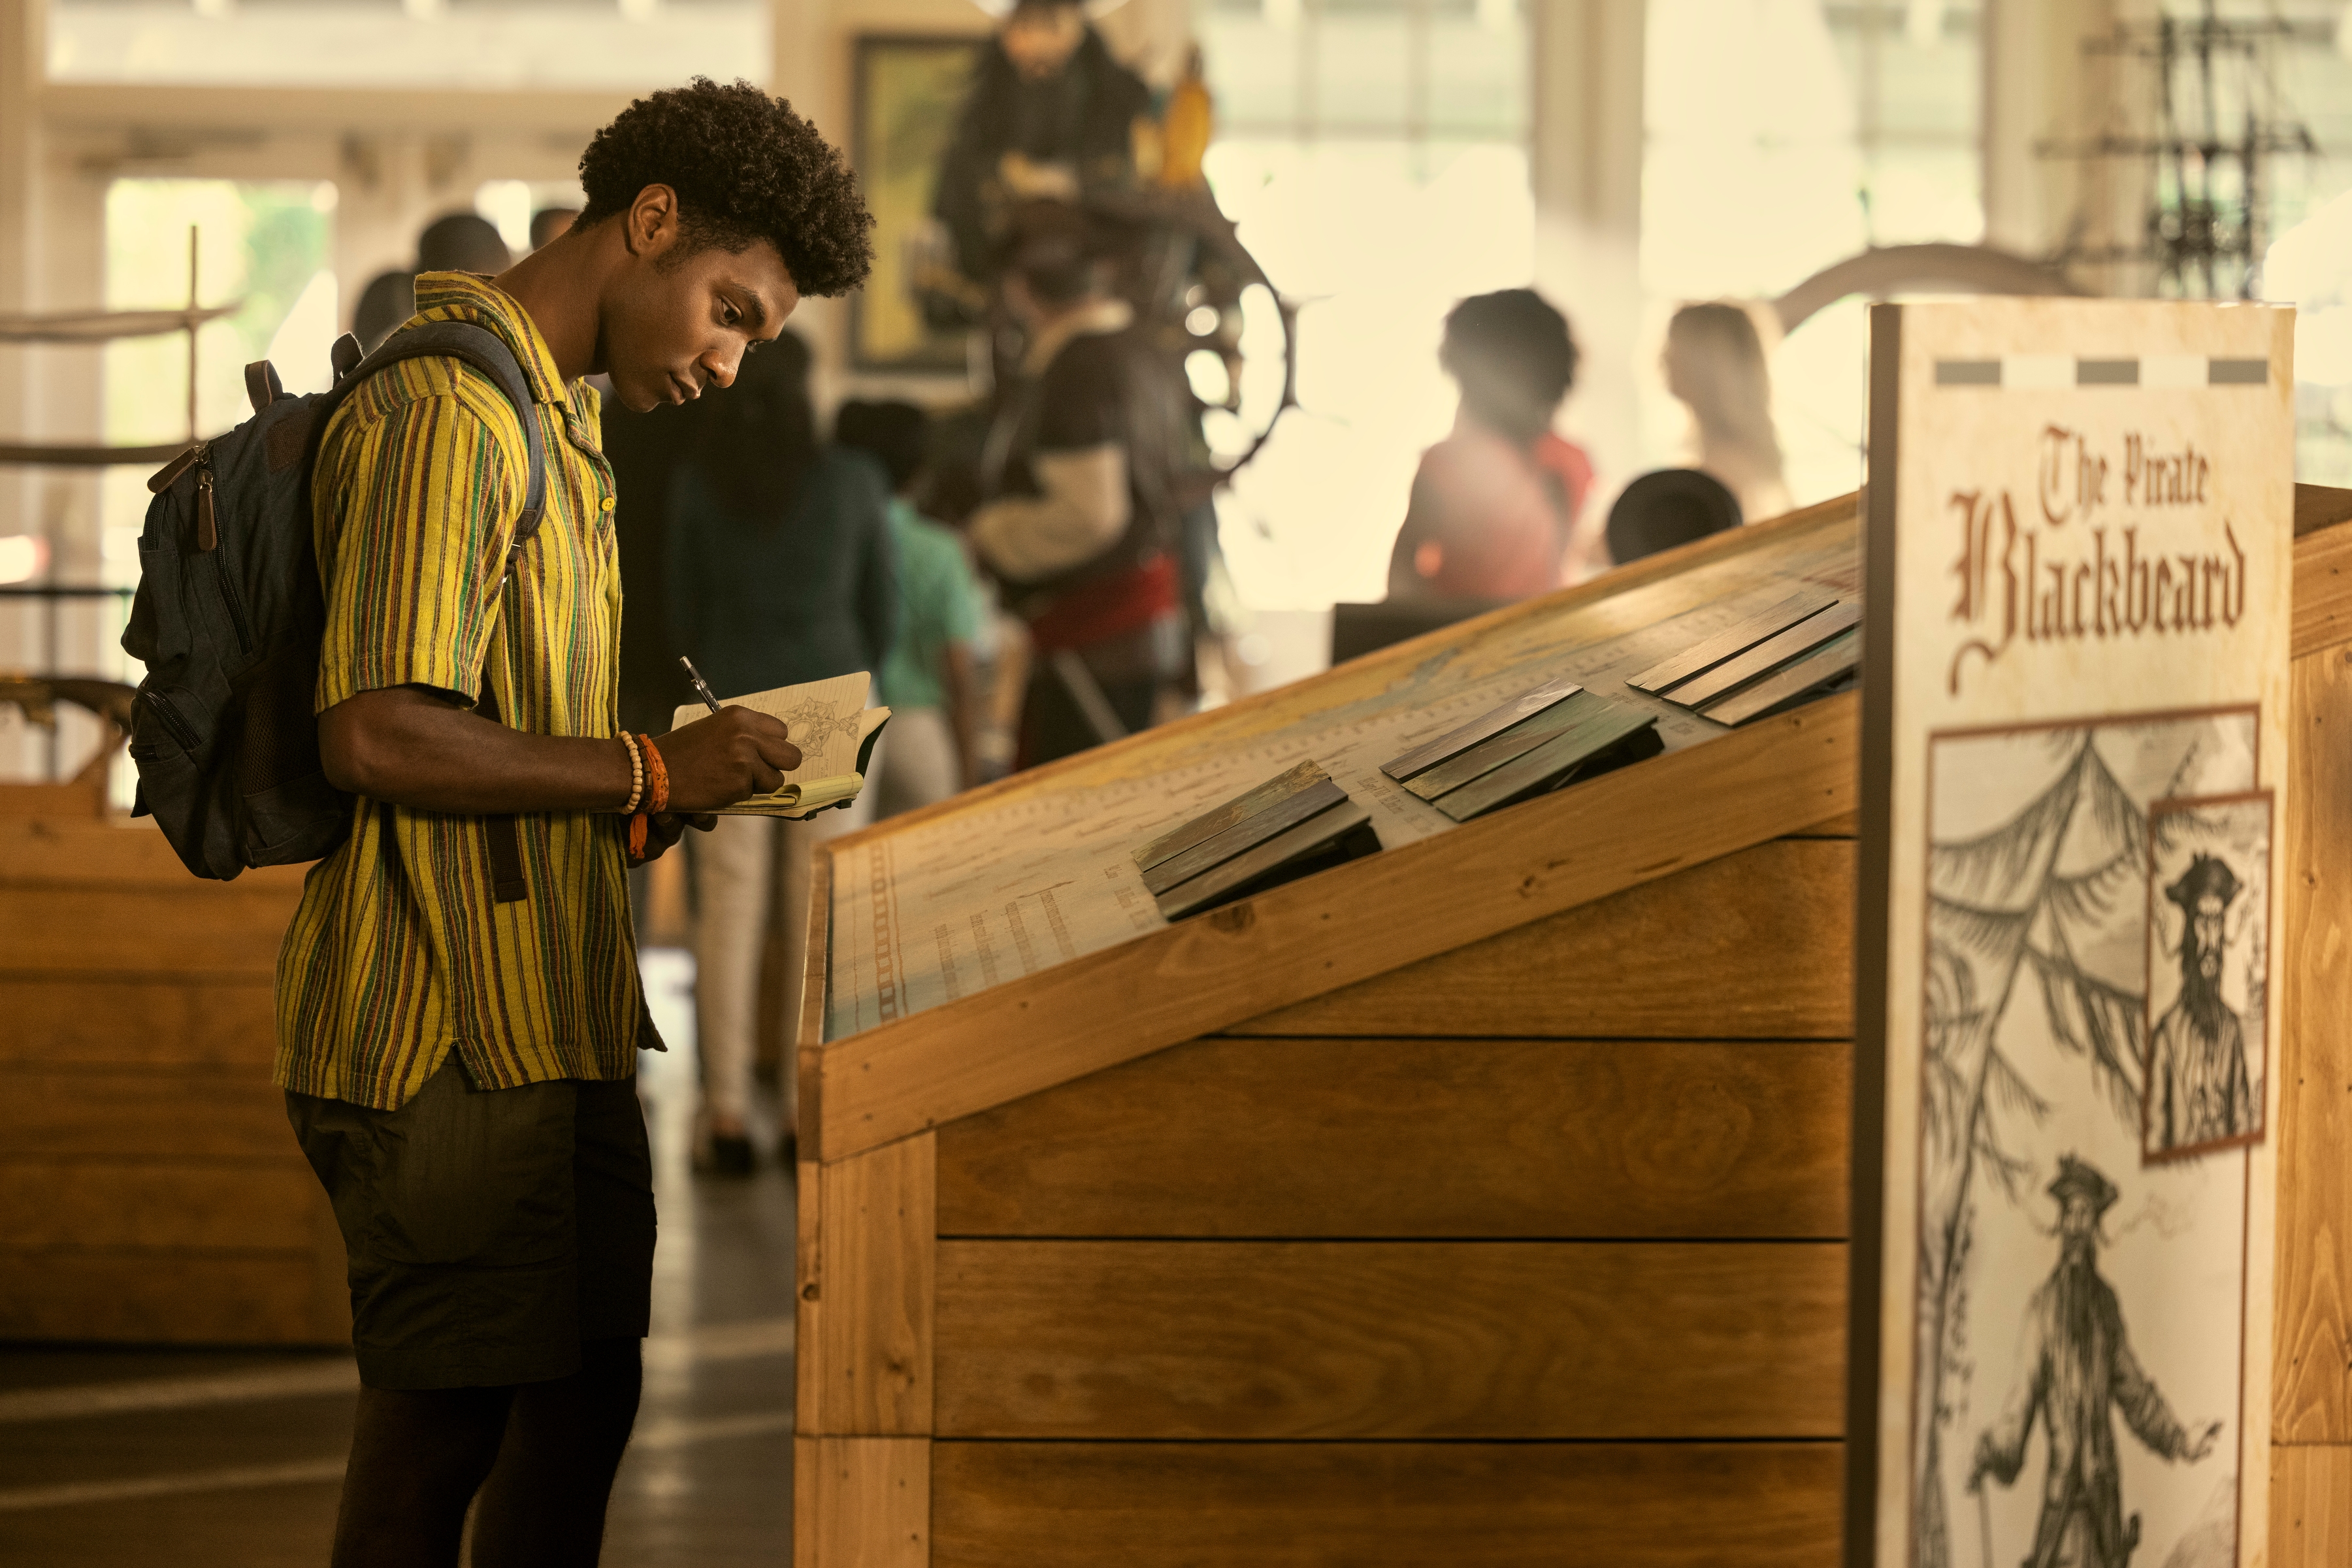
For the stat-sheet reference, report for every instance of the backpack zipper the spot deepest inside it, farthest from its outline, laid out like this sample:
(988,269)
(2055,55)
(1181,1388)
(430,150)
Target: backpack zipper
(169,717)
(208,541)
(207,526)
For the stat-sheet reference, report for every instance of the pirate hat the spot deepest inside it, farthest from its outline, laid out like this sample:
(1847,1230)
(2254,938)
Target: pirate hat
(2080,1182)
(2207,876)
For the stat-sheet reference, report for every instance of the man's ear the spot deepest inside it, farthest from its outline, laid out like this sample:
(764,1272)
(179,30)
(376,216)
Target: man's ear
(651,229)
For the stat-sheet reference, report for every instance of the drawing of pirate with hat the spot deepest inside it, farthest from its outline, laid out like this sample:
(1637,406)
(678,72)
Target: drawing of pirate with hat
(2198,1087)
(2077,1367)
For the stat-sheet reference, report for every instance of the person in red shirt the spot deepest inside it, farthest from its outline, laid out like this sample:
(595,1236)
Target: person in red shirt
(1495,503)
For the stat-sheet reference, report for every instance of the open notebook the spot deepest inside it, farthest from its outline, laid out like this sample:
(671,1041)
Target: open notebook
(829,721)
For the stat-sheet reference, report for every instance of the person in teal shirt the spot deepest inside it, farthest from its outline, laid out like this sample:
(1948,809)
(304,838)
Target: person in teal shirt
(931,749)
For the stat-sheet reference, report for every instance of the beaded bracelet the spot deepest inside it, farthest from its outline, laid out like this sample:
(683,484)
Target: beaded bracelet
(636,774)
(656,797)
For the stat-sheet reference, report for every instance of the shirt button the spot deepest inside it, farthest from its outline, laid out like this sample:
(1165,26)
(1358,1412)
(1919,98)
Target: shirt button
(606,505)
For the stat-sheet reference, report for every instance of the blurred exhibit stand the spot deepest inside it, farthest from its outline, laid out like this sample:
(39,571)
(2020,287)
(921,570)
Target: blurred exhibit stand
(148,1190)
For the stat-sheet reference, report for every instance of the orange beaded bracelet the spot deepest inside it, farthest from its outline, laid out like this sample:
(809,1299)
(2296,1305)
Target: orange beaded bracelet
(656,797)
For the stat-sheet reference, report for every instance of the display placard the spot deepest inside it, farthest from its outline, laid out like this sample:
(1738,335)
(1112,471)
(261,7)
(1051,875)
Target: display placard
(2077,557)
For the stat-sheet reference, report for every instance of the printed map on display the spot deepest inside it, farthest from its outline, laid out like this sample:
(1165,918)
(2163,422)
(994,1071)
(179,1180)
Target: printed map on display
(1013,884)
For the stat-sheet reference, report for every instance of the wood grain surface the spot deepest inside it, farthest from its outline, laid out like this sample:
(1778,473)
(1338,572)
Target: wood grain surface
(165,1297)
(130,1023)
(203,930)
(1306,938)
(145,1115)
(1384,1505)
(1259,1341)
(116,852)
(170,1205)
(1758,945)
(2323,586)
(2320,506)
(2312,1367)
(861,1502)
(2311,1505)
(1418,1138)
(865,1258)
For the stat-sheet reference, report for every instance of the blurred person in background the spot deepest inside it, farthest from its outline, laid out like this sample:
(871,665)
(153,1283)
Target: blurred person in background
(932,747)
(1715,364)
(462,242)
(1051,115)
(1081,526)
(385,304)
(1495,503)
(1666,509)
(549,224)
(778,570)
(454,242)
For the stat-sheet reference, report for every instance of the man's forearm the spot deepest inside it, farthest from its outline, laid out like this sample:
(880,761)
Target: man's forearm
(414,748)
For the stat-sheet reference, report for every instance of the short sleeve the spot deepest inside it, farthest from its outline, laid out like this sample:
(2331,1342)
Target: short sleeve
(417,512)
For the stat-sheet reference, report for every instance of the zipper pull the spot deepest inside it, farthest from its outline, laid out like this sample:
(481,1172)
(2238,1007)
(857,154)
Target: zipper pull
(207,528)
(168,474)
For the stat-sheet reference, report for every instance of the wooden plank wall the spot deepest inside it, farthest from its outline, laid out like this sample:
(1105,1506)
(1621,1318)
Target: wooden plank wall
(149,1187)
(1454,1264)
(2311,1457)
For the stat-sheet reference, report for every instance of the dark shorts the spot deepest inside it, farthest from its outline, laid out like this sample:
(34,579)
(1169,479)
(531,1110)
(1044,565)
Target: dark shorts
(489,1233)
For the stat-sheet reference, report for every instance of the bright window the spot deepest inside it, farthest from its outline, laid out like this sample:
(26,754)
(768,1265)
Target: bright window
(1373,155)
(1783,136)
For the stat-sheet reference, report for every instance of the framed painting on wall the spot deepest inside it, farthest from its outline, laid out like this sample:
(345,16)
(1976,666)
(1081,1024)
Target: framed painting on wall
(907,94)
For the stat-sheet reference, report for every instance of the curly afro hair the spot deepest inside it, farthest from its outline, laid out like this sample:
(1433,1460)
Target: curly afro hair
(745,168)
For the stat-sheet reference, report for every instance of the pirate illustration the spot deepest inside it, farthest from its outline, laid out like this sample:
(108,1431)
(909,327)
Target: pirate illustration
(2077,1367)
(2197,1088)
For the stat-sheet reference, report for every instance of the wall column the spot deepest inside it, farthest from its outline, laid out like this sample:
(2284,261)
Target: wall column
(21,69)
(2039,85)
(1585,166)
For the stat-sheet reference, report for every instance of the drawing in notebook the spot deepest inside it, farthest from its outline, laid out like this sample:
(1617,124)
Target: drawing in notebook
(829,721)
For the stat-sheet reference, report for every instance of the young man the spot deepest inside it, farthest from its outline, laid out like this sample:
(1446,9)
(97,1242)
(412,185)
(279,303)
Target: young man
(458,1026)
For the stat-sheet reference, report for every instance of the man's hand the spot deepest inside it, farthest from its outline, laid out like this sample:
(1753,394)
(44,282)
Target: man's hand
(667,827)
(2202,1444)
(733,754)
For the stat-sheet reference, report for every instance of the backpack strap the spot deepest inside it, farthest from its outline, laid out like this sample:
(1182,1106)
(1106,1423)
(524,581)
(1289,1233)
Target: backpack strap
(487,352)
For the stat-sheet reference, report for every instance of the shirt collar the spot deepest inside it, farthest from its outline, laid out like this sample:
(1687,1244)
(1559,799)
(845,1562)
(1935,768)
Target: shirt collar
(474,298)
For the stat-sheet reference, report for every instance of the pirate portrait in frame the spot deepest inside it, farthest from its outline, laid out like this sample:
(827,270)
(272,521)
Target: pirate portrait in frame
(2208,953)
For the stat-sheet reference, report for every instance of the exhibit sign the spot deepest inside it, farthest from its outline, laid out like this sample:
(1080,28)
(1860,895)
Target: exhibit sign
(2077,559)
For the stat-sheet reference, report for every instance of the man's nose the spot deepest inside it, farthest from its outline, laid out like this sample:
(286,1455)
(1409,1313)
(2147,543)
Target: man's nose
(721,368)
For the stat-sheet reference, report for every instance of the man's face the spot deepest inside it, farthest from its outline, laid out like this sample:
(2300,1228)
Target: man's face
(2205,929)
(676,320)
(1039,40)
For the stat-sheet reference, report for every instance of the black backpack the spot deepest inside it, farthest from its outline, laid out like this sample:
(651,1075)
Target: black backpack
(230,612)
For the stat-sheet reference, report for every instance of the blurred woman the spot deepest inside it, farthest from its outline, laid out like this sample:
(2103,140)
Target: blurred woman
(779,571)
(1715,365)
(1495,503)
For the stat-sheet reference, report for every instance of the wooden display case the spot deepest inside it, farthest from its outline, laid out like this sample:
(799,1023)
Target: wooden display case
(149,1189)
(1481,1200)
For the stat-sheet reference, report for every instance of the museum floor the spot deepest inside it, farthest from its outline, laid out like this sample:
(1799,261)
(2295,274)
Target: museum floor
(112,1456)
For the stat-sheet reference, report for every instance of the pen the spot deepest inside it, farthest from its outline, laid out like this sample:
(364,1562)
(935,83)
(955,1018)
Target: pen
(700,685)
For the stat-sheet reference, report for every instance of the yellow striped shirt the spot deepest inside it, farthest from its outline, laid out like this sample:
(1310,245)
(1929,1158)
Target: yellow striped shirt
(399,951)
